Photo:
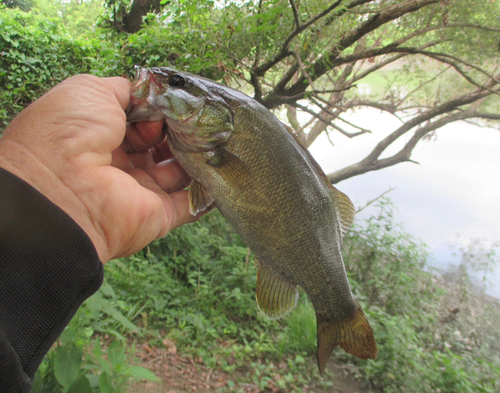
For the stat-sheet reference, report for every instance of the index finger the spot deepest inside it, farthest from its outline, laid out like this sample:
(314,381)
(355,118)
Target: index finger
(120,87)
(143,136)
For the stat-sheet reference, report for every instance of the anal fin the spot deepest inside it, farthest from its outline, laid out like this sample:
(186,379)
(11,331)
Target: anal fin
(276,297)
(199,198)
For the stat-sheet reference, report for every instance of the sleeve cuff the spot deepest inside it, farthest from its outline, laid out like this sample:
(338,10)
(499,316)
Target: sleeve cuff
(48,267)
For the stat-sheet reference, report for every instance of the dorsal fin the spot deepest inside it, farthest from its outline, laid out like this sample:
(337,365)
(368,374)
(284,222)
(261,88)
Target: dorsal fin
(345,209)
(342,201)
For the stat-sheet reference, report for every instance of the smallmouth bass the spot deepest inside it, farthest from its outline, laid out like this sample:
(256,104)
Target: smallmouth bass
(270,189)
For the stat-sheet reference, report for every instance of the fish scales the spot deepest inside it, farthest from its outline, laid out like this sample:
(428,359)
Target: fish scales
(270,190)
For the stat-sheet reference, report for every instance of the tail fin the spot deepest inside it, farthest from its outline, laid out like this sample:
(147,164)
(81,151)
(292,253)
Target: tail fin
(353,335)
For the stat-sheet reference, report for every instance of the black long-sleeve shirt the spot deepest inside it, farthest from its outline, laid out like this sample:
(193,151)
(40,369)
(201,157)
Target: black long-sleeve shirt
(48,267)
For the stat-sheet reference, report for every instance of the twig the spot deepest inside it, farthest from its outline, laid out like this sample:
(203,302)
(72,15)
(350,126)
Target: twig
(376,199)
(302,70)
(442,57)
(209,374)
(327,122)
(295,14)
(354,125)
(423,84)
(326,102)
(329,139)
(335,90)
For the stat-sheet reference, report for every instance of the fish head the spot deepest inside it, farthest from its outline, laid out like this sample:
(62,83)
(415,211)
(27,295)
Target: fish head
(197,118)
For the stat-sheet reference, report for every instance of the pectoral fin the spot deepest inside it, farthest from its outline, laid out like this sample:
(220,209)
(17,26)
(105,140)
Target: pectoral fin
(228,165)
(276,297)
(199,198)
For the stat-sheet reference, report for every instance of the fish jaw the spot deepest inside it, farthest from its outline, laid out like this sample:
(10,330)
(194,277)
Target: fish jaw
(196,120)
(143,97)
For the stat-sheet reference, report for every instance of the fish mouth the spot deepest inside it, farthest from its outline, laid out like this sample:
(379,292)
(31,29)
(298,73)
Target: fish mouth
(142,97)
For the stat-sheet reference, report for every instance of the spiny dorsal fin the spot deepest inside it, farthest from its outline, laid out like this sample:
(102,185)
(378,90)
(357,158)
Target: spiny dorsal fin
(276,297)
(342,201)
(199,198)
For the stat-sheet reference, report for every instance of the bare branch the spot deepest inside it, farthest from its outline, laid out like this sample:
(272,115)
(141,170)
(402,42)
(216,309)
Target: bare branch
(442,58)
(372,161)
(490,116)
(336,127)
(315,93)
(324,109)
(329,139)
(326,102)
(391,108)
(479,27)
(354,125)
(430,114)
(378,66)
(388,61)
(334,90)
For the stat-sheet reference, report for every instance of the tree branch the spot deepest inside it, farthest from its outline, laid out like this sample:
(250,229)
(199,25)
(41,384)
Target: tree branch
(284,52)
(321,67)
(260,71)
(489,116)
(438,110)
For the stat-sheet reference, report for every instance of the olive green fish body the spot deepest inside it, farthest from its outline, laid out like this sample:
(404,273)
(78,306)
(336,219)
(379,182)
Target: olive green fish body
(282,209)
(270,189)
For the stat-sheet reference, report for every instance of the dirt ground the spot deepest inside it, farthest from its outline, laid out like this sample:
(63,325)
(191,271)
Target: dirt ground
(183,374)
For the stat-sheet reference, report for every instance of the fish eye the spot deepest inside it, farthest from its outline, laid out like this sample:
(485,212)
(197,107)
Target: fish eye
(176,81)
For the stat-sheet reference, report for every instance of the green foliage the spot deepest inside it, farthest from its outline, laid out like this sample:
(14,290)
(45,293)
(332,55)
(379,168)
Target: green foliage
(84,360)
(197,285)
(419,349)
(37,52)
(24,5)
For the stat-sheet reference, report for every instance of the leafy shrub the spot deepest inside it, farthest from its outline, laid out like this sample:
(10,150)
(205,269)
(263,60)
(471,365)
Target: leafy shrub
(37,52)
(419,349)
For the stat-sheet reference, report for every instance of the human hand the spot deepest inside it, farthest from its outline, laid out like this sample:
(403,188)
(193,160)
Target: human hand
(116,180)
